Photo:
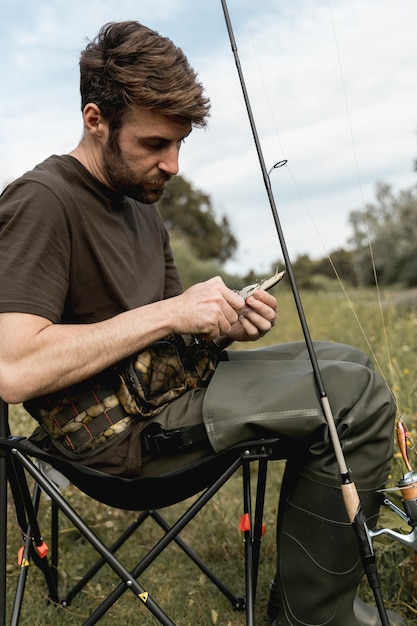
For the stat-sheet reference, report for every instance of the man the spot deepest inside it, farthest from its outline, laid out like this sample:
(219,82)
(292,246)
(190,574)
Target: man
(88,281)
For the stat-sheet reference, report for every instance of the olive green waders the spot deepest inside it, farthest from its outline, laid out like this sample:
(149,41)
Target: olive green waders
(273,391)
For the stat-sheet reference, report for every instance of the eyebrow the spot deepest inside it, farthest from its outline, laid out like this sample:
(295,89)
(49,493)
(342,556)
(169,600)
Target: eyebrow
(163,137)
(160,139)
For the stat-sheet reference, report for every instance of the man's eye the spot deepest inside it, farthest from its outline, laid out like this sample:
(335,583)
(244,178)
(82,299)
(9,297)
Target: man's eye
(156,145)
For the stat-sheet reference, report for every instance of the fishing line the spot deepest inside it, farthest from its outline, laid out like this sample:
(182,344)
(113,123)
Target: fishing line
(353,308)
(391,386)
(356,161)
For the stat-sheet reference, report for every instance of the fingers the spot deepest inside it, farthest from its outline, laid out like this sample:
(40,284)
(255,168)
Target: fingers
(264,297)
(231,306)
(260,314)
(264,304)
(209,309)
(232,298)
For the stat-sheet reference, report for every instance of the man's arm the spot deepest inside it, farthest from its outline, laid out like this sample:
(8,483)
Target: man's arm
(37,356)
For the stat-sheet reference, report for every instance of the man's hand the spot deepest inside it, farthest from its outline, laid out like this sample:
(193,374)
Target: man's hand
(257,318)
(213,311)
(208,309)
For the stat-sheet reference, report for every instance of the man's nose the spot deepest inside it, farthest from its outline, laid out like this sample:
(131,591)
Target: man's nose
(169,161)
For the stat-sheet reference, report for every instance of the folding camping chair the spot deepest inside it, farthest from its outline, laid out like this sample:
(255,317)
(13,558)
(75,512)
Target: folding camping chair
(146,495)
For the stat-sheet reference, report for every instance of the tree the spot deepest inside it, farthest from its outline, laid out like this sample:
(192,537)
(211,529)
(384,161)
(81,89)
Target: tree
(189,216)
(338,264)
(387,232)
(193,270)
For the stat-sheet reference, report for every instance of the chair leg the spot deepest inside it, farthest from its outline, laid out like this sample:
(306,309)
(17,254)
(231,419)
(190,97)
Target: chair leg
(102,562)
(27,507)
(247,529)
(3,537)
(258,521)
(54,542)
(252,542)
(164,542)
(253,531)
(238,602)
(24,560)
(34,548)
(3,511)
(127,580)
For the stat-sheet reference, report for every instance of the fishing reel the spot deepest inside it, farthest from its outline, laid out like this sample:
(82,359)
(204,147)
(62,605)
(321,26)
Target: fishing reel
(407,485)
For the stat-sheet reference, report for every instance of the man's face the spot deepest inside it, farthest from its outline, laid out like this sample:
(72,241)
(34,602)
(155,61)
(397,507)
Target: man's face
(142,157)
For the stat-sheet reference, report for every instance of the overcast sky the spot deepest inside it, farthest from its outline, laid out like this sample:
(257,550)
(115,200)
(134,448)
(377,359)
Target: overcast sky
(332,84)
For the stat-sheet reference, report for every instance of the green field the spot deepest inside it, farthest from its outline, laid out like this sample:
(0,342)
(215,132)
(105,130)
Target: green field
(387,329)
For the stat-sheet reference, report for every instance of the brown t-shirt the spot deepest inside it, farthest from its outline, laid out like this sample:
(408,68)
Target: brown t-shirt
(74,251)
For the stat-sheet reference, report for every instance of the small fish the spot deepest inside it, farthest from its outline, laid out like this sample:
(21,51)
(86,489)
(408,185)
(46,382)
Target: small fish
(249,290)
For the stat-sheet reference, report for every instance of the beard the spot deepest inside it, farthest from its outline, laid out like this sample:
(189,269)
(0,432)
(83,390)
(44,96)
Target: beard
(125,180)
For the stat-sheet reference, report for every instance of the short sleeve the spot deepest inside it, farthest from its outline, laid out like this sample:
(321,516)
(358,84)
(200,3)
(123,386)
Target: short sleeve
(35,251)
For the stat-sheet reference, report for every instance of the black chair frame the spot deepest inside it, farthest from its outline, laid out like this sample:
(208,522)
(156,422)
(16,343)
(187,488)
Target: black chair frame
(18,459)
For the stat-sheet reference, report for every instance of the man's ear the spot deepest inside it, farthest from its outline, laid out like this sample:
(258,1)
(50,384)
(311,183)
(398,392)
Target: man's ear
(94,122)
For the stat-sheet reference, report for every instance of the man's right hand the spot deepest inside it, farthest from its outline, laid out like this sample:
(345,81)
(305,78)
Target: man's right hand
(207,309)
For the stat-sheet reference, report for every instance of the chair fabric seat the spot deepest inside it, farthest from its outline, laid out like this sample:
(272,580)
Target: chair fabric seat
(148,492)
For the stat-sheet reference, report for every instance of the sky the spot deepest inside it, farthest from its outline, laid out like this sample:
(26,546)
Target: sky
(332,85)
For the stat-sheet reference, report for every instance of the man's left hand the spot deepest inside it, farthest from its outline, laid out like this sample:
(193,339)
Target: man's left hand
(257,319)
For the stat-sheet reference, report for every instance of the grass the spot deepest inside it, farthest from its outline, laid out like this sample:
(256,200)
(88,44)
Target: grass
(181,590)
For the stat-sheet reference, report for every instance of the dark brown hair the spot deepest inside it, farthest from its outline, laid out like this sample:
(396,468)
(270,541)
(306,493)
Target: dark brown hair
(128,64)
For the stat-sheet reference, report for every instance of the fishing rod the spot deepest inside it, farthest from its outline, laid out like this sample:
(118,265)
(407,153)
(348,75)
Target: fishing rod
(350,494)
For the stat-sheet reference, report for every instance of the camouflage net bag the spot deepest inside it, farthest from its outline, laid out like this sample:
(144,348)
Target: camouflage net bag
(85,418)
(164,371)
(82,418)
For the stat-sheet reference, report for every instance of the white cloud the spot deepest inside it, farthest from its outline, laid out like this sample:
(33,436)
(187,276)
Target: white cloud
(332,86)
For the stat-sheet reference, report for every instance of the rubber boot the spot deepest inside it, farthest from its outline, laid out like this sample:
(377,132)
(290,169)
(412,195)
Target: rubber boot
(366,614)
(319,565)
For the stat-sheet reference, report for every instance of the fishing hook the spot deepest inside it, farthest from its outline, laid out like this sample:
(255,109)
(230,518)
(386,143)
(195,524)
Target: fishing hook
(350,494)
